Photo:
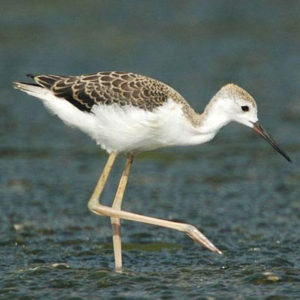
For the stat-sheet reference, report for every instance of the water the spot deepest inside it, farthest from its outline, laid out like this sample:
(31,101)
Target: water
(236,189)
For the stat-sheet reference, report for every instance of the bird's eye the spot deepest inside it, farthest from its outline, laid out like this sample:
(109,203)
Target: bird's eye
(245,108)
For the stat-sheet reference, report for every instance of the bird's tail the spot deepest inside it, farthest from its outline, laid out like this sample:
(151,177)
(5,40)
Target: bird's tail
(32,89)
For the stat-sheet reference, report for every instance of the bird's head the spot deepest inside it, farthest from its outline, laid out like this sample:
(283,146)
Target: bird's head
(239,106)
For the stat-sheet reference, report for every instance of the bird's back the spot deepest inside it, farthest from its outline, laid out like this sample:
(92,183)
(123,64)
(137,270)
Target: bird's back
(122,88)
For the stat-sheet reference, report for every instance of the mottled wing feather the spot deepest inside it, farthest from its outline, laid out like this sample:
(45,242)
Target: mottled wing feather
(107,88)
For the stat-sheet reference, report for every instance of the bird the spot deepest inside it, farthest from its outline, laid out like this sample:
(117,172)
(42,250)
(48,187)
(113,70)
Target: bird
(128,113)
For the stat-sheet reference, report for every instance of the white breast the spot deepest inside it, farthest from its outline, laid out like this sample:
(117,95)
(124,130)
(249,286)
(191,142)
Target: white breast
(129,128)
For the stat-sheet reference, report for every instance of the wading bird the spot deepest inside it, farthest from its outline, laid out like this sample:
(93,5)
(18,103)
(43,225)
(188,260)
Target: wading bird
(130,113)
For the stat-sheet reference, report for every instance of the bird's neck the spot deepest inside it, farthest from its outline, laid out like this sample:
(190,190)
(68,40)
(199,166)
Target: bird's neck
(200,128)
(208,123)
(212,120)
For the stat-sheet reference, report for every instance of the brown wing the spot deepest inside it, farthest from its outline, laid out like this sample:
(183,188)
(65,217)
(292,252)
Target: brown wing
(107,88)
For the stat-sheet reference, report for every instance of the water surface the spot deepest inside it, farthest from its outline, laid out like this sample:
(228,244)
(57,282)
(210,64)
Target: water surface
(236,189)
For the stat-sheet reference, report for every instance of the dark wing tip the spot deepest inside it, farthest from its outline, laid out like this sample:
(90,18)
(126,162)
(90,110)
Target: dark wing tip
(31,75)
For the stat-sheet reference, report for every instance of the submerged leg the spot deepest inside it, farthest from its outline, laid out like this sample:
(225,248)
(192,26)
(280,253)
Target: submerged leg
(116,226)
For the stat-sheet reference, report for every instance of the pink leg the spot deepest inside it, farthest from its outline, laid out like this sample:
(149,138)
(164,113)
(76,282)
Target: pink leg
(116,226)
(115,213)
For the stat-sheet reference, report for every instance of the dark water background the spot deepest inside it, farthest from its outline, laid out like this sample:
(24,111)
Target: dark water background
(236,189)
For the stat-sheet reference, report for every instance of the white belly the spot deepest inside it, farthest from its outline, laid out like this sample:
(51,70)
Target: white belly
(128,128)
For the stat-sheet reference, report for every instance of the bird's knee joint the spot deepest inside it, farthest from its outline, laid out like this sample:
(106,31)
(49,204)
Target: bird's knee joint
(95,208)
(91,206)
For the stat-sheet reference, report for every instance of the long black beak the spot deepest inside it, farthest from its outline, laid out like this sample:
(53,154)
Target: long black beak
(261,131)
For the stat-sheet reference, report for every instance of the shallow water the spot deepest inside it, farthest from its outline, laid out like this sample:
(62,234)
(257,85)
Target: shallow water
(236,189)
